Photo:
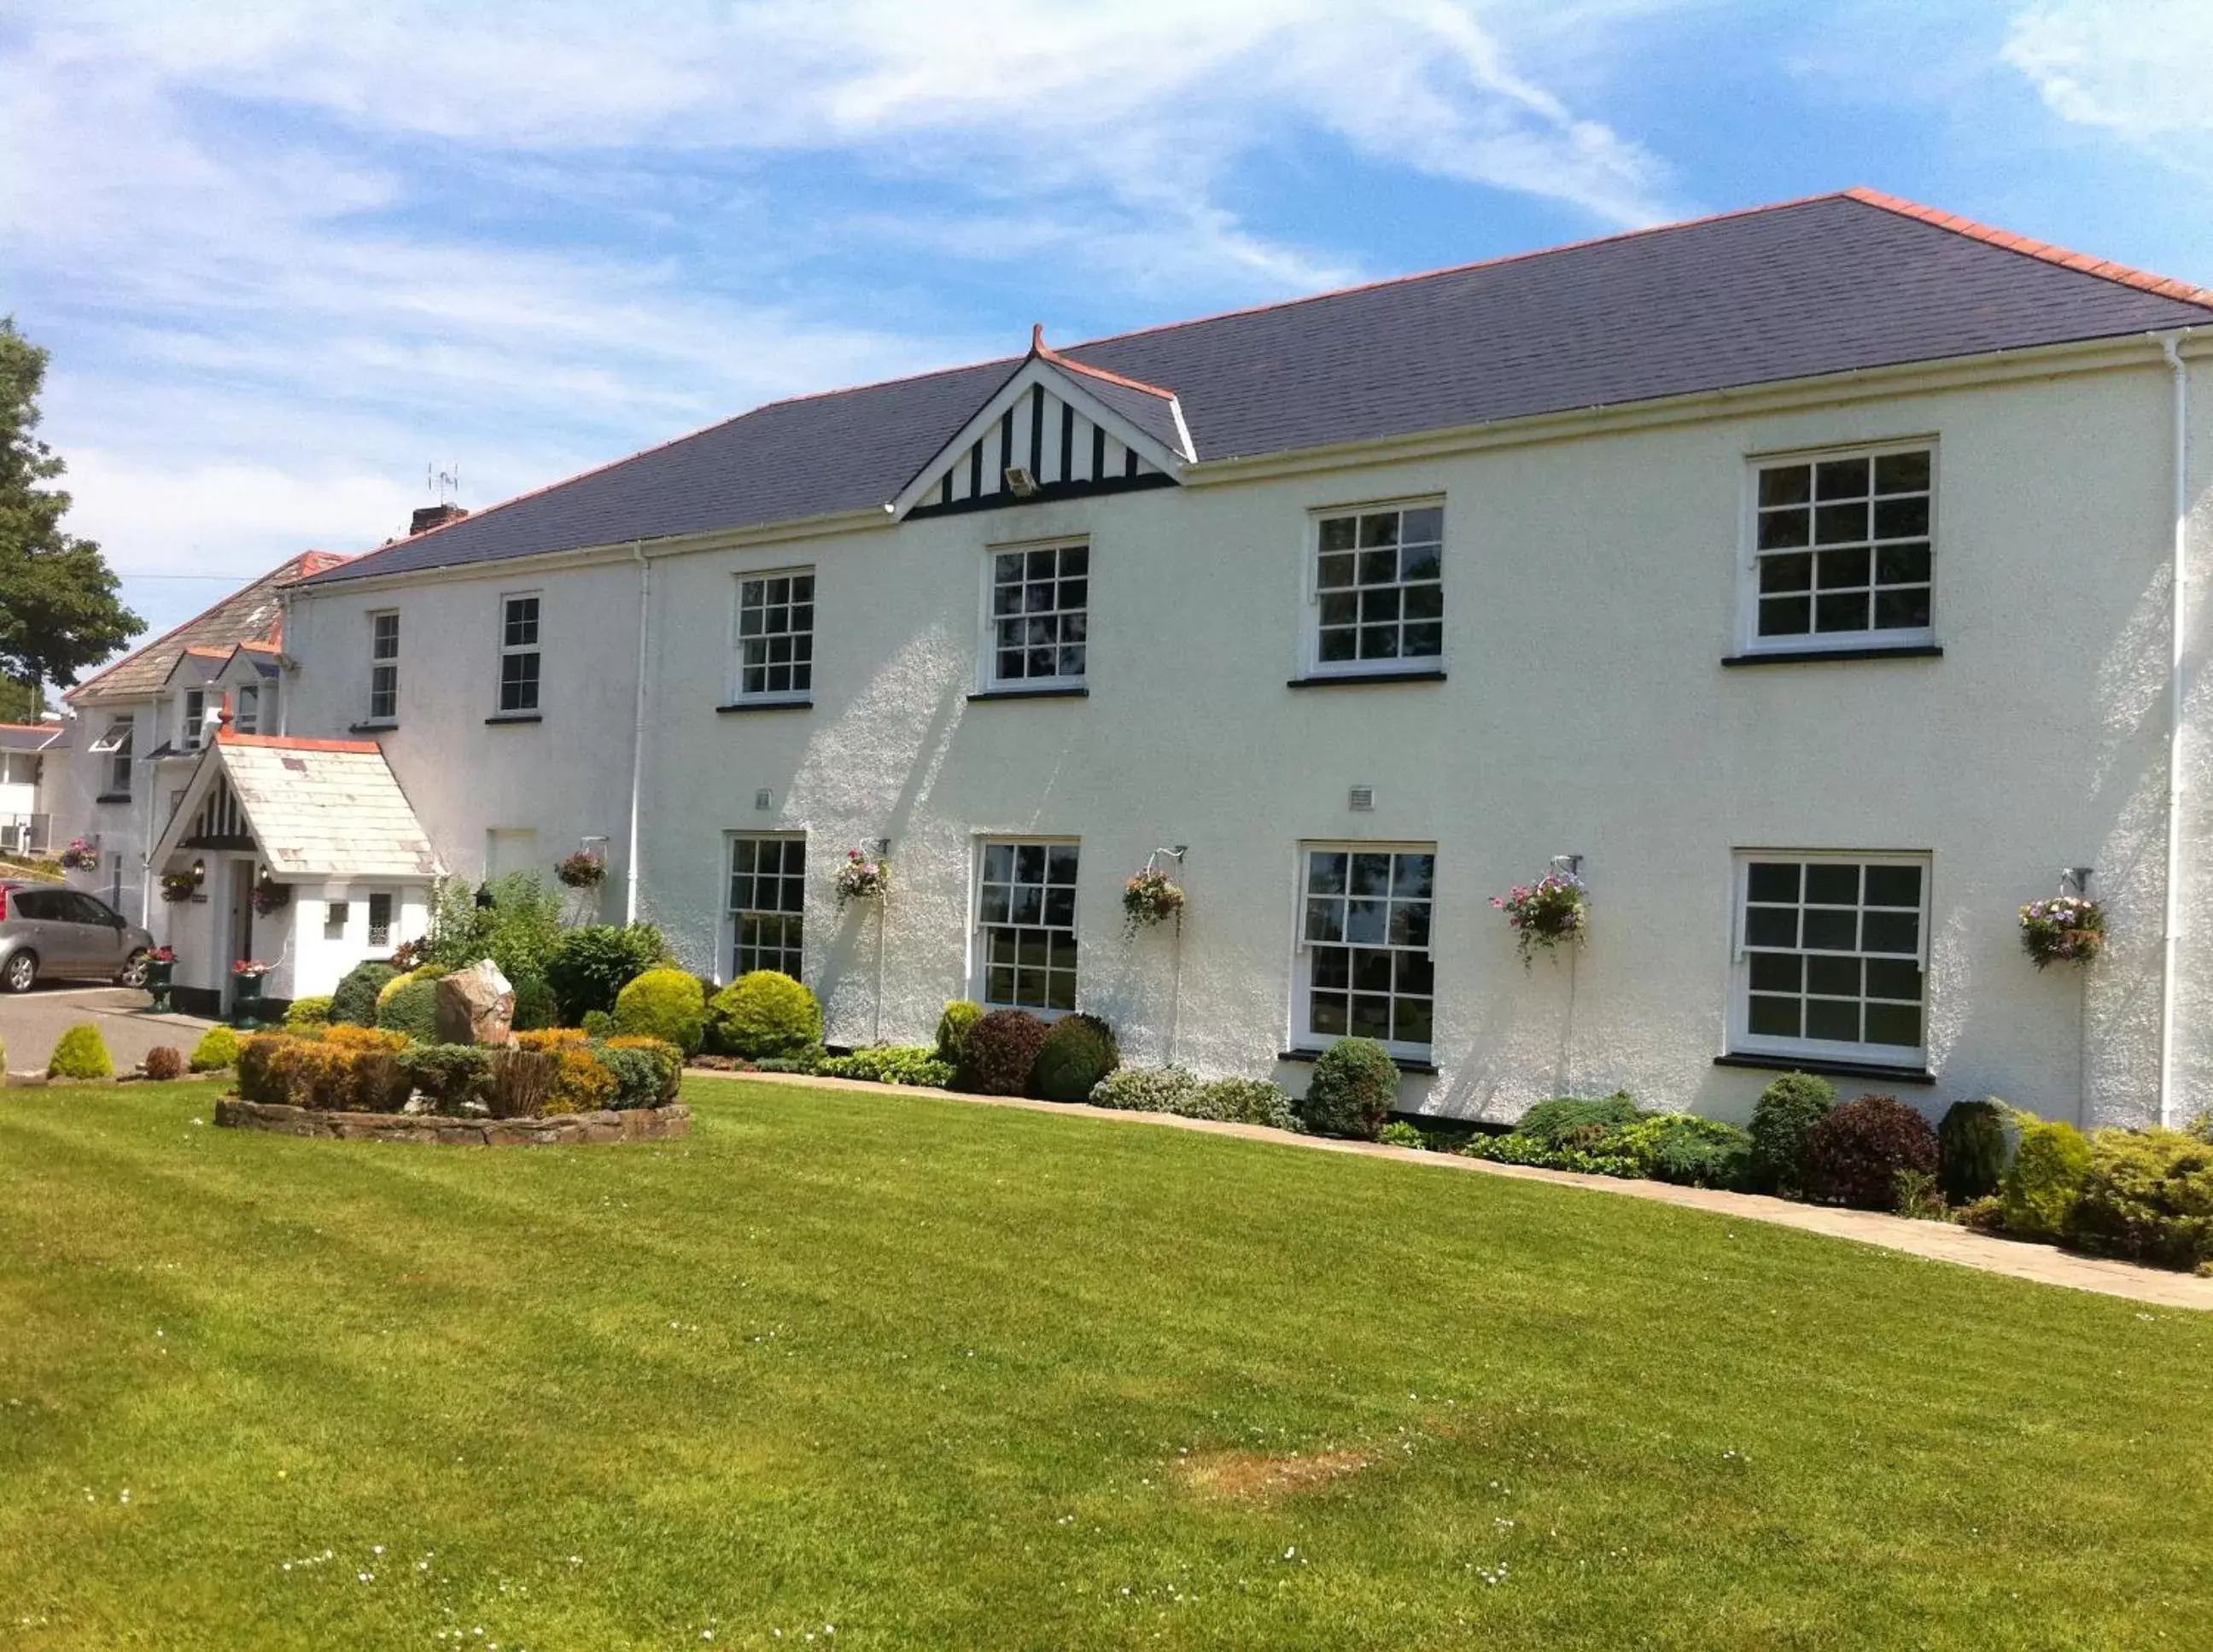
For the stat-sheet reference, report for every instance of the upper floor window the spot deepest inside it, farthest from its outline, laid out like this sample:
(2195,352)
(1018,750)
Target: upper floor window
(1364,964)
(518,653)
(776,634)
(245,712)
(383,667)
(1842,550)
(113,748)
(1040,617)
(1832,954)
(1379,589)
(195,721)
(1026,925)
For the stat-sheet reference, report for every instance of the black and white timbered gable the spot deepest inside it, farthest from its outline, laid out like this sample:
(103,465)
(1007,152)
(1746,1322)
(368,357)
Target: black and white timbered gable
(1055,429)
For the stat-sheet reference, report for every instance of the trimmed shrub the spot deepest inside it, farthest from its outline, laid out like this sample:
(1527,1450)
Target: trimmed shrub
(647,1071)
(765,1013)
(420,972)
(1146,1089)
(919,1064)
(1354,1088)
(1854,1153)
(339,1077)
(2148,1197)
(1971,1150)
(1078,1051)
(587,967)
(1574,1121)
(257,1076)
(952,1028)
(82,1053)
(582,1082)
(1786,1109)
(1689,1151)
(216,1049)
(535,1006)
(666,1004)
(409,1006)
(163,1063)
(2050,1171)
(357,1038)
(451,1076)
(354,1002)
(553,1038)
(1001,1053)
(1239,1101)
(311,1011)
(598,1024)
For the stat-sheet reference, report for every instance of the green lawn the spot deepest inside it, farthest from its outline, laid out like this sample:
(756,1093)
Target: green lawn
(938,1375)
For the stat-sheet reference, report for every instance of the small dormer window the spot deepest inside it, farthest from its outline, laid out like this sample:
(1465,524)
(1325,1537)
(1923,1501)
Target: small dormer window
(246,714)
(195,717)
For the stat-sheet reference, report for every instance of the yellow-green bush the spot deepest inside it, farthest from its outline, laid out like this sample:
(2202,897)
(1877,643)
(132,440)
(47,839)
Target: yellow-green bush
(2050,1170)
(762,1015)
(2148,1196)
(81,1054)
(311,1011)
(216,1049)
(408,1005)
(669,1004)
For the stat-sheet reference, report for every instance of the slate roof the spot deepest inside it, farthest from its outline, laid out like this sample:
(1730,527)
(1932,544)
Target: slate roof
(321,808)
(250,614)
(34,736)
(1828,285)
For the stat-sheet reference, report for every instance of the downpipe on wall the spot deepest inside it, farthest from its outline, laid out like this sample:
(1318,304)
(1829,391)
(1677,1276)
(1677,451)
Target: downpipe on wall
(637,734)
(2177,583)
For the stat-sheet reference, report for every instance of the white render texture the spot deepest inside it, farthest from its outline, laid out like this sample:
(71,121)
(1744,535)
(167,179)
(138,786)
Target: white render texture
(1591,589)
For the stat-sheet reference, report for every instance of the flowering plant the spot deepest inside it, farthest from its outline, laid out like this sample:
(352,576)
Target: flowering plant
(253,968)
(1545,913)
(408,954)
(179,885)
(861,878)
(79,856)
(1151,897)
(270,897)
(162,956)
(585,870)
(2063,930)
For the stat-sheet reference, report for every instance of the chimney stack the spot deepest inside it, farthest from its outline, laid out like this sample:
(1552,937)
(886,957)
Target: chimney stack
(430,516)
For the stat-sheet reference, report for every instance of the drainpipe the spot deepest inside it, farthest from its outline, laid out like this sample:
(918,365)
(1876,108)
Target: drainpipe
(636,736)
(2171,938)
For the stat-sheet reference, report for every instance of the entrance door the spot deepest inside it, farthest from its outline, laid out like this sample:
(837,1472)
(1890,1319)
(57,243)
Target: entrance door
(238,924)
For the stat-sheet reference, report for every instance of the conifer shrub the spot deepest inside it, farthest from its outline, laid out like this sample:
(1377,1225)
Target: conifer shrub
(1354,1088)
(765,1013)
(1078,1051)
(1239,1101)
(311,1011)
(409,1006)
(1786,1109)
(587,967)
(1146,1089)
(353,1003)
(1855,1154)
(648,1071)
(451,1076)
(163,1063)
(2050,1171)
(1001,1053)
(535,1006)
(1971,1150)
(2148,1196)
(1689,1150)
(81,1054)
(666,1004)
(952,1028)
(216,1049)
(1567,1122)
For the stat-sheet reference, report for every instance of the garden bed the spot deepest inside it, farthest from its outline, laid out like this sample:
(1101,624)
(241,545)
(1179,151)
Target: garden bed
(599,1129)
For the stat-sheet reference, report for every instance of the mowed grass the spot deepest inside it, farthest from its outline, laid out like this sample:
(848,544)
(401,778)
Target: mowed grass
(940,1375)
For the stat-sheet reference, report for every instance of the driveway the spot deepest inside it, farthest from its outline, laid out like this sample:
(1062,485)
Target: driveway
(31,1023)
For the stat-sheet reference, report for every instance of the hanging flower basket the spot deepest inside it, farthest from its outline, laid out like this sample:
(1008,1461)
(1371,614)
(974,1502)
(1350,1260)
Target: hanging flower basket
(1549,913)
(179,886)
(268,898)
(79,856)
(861,878)
(585,870)
(2063,930)
(1151,897)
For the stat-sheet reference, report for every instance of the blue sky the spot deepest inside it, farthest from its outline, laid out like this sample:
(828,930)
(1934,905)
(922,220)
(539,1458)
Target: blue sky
(288,256)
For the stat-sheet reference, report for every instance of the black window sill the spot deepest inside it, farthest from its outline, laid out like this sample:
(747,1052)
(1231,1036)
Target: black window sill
(1404,1063)
(1031,694)
(1825,657)
(112,797)
(1363,679)
(764,706)
(1832,1069)
(371,728)
(517,716)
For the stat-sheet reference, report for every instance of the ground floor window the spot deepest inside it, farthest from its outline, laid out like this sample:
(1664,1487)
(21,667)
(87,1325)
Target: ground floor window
(380,922)
(1026,925)
(768,902)
(1832,955)
(1364,968)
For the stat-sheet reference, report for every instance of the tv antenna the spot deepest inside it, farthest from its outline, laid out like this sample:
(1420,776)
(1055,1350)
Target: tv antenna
(445,485)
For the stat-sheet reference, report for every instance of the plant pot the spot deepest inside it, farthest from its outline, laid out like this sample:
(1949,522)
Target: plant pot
(245,1002)
(160,977)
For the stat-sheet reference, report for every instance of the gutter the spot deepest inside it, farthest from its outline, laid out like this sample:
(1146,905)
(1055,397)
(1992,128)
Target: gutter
(637,734)
(2177,688)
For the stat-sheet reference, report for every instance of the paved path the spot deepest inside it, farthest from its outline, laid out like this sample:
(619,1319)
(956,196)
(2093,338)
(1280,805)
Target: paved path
(31,1023)
(1940,1241)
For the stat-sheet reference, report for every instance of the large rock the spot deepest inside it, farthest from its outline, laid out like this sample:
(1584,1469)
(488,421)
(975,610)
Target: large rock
(476,1005)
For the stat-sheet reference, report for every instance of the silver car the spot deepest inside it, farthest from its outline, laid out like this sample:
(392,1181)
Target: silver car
(47,932)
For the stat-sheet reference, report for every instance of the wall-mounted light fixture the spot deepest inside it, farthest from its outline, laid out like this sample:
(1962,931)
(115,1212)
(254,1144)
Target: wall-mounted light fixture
(1021,483)
(199,873)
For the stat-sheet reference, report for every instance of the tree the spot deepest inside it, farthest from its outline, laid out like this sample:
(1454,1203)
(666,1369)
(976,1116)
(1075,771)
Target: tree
(60,611)
(20,703)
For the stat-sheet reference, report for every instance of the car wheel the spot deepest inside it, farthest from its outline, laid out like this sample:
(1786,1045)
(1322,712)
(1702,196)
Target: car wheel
(134,972)
(21,972)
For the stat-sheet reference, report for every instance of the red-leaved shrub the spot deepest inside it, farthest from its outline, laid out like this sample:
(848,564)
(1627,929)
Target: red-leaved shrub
(1001,1053)
(1854,1155)
(162,1064)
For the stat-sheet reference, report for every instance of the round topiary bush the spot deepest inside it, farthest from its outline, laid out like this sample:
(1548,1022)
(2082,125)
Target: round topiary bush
(81,1054)
(535,1006)
(310,1011)
(163,1063)
(1971,1150)
(1354,1088)
(1786,1109)
(1001,1053)
(216,1049)
(952,1028)
(766,1014)
(2051,1169)
(669,1005)
(1146,1089)
(1078,1051)
(1855,1154)
(411,1007)
(354,1002)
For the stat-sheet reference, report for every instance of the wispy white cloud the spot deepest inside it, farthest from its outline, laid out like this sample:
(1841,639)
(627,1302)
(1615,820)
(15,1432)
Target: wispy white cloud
(2134,67)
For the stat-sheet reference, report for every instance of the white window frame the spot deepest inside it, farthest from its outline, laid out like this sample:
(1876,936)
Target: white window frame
(1311,664)
(979,945)
(191,725)
(1302,1033)
(1748,639)
(246,709)
(116,745)
(369,919)
(534,649)
(988,677)
(739,638)
(1743,1041)
(381,662)
(732,912)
